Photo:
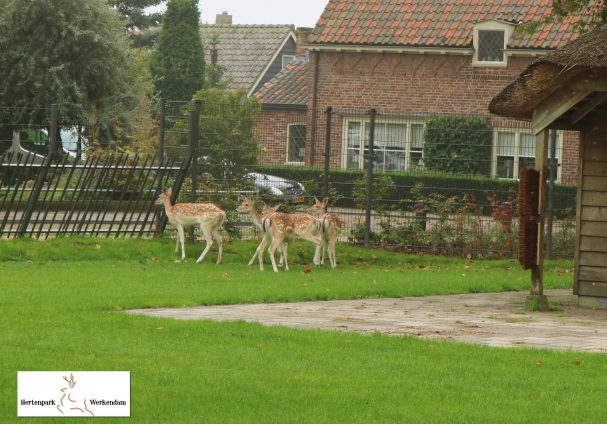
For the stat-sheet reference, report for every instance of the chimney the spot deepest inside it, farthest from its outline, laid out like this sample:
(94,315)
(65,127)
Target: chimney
(223,19)
(301,35)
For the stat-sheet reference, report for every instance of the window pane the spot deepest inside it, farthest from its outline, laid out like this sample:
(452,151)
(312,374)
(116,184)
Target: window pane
(395,136)
(417,136)
(505,144)
(297,143)
(525,162)
(527,145)
(354,134)
(491,46)
(505,166)
(415,158)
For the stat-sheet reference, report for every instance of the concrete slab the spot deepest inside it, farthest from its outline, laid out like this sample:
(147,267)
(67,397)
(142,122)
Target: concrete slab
(493,319)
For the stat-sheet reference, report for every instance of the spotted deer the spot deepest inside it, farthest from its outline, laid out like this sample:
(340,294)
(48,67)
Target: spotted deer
(66,402)
(208,216)
(330,227)
(280,227)
(248,206)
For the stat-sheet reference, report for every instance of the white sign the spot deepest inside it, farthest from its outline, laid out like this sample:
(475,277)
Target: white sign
(73,394)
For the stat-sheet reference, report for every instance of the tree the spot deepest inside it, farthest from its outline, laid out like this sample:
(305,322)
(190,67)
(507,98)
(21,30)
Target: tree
(593,13)
(134,12)
(72,53)
(228,145)
(177,63)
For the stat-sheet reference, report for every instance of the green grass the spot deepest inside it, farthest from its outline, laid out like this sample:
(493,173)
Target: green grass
(60,303)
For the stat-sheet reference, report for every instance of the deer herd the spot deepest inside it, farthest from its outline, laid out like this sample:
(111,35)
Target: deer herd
(277,228)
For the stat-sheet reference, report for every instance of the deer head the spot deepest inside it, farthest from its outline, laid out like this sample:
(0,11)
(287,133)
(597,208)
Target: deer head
(270,209)
(319,207)
(165,196)
(247,205)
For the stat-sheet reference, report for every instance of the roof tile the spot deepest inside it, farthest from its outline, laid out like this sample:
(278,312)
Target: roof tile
(449,22)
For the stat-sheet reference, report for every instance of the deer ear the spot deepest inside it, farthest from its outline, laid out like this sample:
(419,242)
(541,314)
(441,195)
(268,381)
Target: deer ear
(325,201)
(169,191)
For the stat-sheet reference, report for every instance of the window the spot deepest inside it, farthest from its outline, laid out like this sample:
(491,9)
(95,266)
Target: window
(490,46)
(490,40)
(516,149)
(397,145)
(286,59)
(296,147)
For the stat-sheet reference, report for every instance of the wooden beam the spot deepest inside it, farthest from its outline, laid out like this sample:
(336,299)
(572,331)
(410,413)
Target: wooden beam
(541,165)
(588,107)
(555,106)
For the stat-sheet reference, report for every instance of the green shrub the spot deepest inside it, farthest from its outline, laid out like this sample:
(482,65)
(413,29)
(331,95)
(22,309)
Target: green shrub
(458,145)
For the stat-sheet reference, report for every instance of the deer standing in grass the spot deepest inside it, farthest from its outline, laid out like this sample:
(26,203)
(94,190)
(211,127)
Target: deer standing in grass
(206,215)
(248,206)
(280,227)
(330,227)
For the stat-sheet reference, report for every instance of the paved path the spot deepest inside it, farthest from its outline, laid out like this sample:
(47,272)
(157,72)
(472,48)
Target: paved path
(495,319)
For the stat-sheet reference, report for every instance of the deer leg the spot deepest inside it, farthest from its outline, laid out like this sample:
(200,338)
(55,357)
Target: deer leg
(181,237)
(331,252)
(219,239)
(209,238)
(317,248)
(283,254)
(276,242)
(177,242)
(259,251)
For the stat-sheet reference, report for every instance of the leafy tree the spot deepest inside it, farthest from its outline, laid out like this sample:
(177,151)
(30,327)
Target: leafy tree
(177,63)
(228,146)
(72,53)
(134,12)
(593,13)
(213,70)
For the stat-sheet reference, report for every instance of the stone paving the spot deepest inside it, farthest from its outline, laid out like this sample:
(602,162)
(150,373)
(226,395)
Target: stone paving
(495,319)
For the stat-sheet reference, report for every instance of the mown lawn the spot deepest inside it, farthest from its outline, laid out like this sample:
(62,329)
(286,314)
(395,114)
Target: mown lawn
(61,303)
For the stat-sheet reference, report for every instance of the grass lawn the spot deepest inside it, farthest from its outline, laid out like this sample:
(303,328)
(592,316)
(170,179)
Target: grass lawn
(61,303)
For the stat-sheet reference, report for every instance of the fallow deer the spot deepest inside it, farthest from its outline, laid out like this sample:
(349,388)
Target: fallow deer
(330,226)
(279,227)
(209,217)
(248,206)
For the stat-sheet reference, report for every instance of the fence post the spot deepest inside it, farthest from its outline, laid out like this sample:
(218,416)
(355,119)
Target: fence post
(161,131)
(369,186)
(194,134)
(550,200)
(41,176)
(325,180)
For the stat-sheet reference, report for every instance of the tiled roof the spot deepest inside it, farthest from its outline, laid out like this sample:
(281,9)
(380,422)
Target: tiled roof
(244,50)
(289,87)
(428,23)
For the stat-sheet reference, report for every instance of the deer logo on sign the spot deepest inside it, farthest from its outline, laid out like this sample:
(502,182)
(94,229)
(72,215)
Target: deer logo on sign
(69,401)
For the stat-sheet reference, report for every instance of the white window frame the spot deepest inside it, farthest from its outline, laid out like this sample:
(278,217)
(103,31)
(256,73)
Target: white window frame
(517,155)
(492,25)
(289,142)
(364,131)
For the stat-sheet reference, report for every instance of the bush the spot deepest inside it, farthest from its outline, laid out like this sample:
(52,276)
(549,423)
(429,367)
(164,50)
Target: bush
(458,145)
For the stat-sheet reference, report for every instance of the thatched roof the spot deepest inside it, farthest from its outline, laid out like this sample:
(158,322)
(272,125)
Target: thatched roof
(585,55)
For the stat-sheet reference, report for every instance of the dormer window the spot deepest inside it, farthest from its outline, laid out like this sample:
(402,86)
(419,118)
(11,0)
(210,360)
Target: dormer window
(490,40)
(490,46)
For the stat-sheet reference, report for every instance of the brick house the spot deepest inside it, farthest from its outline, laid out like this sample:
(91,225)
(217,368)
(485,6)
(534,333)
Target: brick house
(411,59)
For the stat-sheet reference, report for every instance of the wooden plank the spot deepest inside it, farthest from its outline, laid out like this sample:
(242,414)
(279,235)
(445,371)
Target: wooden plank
(594,198)
(597,259)
(593,244)
(595,151)
(594,213)
(593,228)
(592,288)
(592,104)
(594,183)
(595,168)
(591,273)
(578,213)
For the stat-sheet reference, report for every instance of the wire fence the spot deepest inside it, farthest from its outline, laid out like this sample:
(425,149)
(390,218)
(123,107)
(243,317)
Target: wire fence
(431,184)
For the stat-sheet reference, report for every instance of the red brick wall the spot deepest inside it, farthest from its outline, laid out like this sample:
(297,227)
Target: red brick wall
(272,132)
(407,83)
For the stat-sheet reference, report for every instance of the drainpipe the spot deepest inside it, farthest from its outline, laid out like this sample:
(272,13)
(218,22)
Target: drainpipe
(314,108)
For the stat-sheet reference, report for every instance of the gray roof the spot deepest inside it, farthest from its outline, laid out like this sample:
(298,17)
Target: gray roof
(245,51)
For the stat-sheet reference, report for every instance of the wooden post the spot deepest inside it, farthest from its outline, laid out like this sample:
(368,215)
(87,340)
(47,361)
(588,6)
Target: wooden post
(536,299)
